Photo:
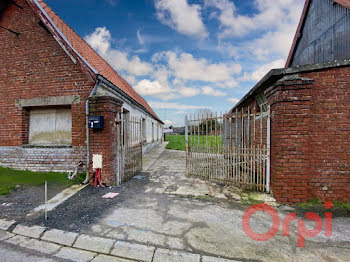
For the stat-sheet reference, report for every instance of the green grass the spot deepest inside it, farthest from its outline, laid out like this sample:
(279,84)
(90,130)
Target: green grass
(9,178)
(345,206)
(318,203)
(177,142)
(310,203)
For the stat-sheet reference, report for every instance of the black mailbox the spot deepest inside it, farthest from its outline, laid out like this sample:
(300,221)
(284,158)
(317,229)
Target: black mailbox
(96,122)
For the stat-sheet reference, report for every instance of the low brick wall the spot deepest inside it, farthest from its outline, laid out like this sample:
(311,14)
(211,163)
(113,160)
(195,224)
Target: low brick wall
(42,159)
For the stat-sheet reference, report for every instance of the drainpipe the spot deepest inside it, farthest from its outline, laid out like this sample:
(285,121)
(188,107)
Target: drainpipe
(88,131)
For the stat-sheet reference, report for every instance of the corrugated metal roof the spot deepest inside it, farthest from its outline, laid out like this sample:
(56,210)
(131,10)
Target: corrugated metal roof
(93,59)
(345,3)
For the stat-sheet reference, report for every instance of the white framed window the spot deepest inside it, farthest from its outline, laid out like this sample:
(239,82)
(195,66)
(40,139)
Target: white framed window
(50,126)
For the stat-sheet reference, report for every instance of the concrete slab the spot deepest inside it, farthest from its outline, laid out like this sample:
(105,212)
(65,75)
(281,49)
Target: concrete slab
(5,235)
(60,237)
(17,239)
(33,231)
(6,224)
(58,199)
(166,255)
(75,254)
(40,246)
(96,244)
(105,258)
(215,259)
(133,251)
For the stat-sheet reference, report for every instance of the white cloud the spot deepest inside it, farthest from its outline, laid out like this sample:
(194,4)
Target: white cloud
(233,100)
(182,17)
(266,17)
(140,38)
(272,26)
(258,74)
(188,91)
(184,66)
(168,122)
(152,88)
(101,39)
(164,91)
(176,106)
(209,91)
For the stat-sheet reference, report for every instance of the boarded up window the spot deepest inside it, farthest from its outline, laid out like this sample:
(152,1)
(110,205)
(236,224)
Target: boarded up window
(50,126)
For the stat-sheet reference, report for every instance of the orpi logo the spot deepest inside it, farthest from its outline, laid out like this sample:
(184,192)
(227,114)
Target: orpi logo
(303,232)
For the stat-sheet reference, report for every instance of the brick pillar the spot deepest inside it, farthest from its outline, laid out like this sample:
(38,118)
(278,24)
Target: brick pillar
(290,103)
(104,142)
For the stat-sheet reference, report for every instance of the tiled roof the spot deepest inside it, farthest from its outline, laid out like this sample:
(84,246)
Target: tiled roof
(95,60)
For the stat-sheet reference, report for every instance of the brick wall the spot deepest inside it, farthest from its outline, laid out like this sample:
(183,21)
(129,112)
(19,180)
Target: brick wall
(42,159)
(290,103)
(104,142)
(329,176)
(34,65)
(310,136)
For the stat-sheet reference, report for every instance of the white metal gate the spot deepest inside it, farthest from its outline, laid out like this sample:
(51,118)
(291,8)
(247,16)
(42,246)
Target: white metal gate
(129,147)
(230,148)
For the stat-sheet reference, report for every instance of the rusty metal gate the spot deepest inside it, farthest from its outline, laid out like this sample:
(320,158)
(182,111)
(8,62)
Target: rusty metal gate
(129,147)
(230,148)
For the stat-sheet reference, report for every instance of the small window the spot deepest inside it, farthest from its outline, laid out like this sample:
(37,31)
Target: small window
(262,102)
(144,137)
(50,126)
(126,126)
(152,131)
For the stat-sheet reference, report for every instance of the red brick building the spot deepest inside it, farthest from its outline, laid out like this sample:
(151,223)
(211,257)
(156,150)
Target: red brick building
(309,103)
(51,80)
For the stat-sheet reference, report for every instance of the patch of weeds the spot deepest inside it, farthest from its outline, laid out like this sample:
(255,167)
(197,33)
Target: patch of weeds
(204,197)
(310,203)
(341,205)
(6,189)
(248,199)
(251,201)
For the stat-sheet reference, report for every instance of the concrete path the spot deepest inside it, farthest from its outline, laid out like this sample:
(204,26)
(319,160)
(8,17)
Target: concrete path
(176,212)
(35,243)
(11,253)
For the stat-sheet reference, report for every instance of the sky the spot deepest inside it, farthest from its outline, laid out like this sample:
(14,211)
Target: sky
(184,56)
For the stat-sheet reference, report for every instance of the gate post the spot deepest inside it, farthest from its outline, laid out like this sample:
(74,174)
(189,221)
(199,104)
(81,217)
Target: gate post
(268,143)
(186,142)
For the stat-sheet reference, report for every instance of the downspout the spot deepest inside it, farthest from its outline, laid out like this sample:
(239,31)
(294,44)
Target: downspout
(88,132)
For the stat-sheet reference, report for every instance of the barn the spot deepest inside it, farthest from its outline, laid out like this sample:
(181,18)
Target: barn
(307,109)
(62,104)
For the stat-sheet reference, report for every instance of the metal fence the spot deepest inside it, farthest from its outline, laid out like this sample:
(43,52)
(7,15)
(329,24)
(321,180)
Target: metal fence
(230,148)
(129,148)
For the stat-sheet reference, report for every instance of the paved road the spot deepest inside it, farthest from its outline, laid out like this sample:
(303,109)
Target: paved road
(10,253)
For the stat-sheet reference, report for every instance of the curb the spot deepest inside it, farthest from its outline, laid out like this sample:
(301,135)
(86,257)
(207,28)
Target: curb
(81,247)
